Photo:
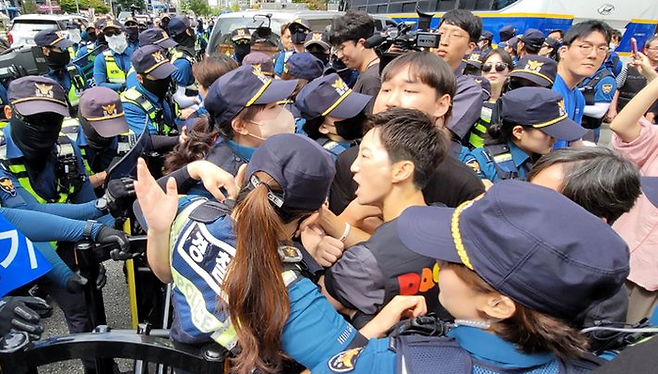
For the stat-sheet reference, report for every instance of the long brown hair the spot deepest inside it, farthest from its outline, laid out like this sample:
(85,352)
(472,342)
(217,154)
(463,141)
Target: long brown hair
(258,298)
(530,330)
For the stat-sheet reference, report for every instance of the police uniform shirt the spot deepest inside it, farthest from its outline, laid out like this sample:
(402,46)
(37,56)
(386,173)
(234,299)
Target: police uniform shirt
(452,183)
(466,109)
(183,75)
(313,332)
(574,105)
(62,77)
(483,163)
(487,352)
(100,69)
(97,162)
(137,117)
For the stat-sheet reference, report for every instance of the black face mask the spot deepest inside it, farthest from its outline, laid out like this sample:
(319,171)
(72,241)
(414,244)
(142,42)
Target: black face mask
(36,135)
(158,87)
(100,40)
(298,37)
(133,33)
(185,40)
(58,60)
(351,128)
(90,37)
(241,50)
(94,140)
(322,57)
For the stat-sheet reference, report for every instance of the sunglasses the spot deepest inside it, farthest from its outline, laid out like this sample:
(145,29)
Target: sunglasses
(500,67)
(112,32)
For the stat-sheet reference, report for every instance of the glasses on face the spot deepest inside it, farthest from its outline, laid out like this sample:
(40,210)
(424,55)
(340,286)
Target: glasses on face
(586,49)
(500,67)
(111,32)
(653,49)
(342,46)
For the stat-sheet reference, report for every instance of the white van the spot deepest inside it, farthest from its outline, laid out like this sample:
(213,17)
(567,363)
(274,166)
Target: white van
(24,28)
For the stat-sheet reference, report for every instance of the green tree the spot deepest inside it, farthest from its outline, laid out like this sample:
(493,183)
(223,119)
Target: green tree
(200,7)
(29,7)
(70,7)
(126,4)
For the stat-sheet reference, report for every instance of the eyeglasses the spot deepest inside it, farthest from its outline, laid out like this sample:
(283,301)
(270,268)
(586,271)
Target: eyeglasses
(653,49)
(111,32)
(500,67)
(586,49)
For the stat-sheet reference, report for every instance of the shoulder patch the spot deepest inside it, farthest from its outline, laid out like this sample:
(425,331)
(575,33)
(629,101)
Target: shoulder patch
(7,186)
(475,166)
(606,88)
(344,361)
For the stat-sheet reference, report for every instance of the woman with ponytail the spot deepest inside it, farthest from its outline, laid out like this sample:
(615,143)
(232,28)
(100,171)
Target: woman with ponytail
(528,122)
(236,272)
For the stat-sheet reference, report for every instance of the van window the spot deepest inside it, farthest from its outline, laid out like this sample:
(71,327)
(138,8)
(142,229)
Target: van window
(35,25)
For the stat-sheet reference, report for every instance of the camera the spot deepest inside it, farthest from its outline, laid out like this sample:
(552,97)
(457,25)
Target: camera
(22,61)
(402,39)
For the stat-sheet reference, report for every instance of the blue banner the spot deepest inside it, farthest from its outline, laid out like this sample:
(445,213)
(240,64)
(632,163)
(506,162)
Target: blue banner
(20,262)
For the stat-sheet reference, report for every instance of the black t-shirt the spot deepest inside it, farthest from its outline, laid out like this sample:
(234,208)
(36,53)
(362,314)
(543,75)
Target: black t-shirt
(369,83)
(452,184)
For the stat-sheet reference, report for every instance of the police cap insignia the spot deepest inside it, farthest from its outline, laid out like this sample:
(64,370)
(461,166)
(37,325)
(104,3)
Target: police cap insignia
(257,71)
(6,185)
(607,88)
(157,56)
(109,110)
(344,362)
(340,86)
(475,166)
(534,65)
(317,36)
(43,90)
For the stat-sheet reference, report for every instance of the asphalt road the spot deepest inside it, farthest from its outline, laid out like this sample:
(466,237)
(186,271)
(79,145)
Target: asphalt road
(117,309)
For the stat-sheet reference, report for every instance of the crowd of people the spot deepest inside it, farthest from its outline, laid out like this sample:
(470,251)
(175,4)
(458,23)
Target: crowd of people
(304,203)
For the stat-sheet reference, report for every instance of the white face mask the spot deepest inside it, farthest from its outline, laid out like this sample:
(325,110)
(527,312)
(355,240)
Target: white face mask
(74,36)
(117,43)
(284,123)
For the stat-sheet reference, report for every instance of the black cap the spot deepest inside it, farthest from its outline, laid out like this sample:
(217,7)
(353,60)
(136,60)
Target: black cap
(474,59)
(299,22)
(330,96)
(241,33)
(553,43)
(317,38)
(52,38)
(178,25)
(537,69)
(506,33)
(533,37)
(542,109)
(302,168)
(515,237)
(101,107)
(156,36)
(241,88)
(512,42)
(104,23)
(34,94)
(486,35)
(305,66)
(152,60)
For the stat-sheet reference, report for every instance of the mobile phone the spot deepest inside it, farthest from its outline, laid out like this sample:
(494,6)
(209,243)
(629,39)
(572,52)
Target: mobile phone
(634,47)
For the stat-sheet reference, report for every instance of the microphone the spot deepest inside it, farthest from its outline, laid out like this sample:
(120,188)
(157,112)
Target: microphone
(374,41)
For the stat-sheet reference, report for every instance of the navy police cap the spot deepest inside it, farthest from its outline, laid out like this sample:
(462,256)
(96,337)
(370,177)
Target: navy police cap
(152,60)
(330,96)
(302,168)
(241,88)
(506,33)
(538,69)
(533,37)
(241,33)
(102,109)
(542,109)
(156,36)
(650,189)
(178,25)
(318,38)
(52,38)
(304,65)
(515,237)
(34,94)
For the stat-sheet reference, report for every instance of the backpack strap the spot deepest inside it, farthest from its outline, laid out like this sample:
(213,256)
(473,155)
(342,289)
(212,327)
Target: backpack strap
(421,354)
(501,157)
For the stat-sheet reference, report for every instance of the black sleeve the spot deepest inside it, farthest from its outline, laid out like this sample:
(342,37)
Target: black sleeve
(452,184)
(163,143)
(183,180)
(343,187)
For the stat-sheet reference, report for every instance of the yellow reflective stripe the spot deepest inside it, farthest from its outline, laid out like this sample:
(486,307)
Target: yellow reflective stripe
(456,234)
(260,92)
(551,122)
(39,99)
(114,73)
(340,100)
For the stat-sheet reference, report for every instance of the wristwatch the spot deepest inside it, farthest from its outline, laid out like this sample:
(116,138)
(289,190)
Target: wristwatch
(101,204)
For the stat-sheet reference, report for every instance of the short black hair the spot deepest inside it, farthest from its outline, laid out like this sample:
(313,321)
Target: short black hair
(429,69)
(584,29)
(531,49)
(559,31)
(411,135)
(596,178)
(465,20)
(353,25)
(614,33)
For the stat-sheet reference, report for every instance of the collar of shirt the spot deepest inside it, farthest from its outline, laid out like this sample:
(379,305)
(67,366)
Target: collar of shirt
(242,151)
(518,155)
(489,347)
(12,149)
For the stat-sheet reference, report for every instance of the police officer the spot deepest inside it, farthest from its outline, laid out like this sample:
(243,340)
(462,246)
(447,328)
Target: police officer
(54,46)
(112,66)
(299,28)
(532,118)
(241,40)
(317,44)
(485,42)
(146,106)
(599,90)
(184,56)
(499,258)
(132,31)
(23,313)
(104,133)
(334,114)
(154,36)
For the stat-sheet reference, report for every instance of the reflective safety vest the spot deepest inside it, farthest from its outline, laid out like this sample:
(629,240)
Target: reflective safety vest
(192,89)
(479,130)
(114,73)
(69,178)
(77,86)
(156,115)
